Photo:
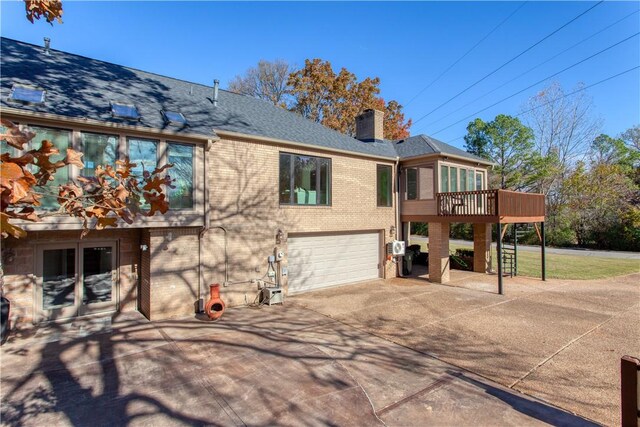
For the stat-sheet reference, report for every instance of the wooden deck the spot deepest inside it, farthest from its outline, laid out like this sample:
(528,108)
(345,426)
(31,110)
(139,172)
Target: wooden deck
(486,206)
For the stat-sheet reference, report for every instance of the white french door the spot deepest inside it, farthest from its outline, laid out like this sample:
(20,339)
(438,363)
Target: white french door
(76,279)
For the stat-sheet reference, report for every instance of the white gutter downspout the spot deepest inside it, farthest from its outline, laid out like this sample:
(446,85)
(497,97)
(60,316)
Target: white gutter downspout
(397,209)
(205,227)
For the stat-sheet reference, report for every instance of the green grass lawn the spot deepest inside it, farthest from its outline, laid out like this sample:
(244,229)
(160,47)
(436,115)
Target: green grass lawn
(567,266)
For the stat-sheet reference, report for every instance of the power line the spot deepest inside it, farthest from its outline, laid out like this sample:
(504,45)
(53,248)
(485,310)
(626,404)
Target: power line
(539,81)
(466,53)
(567,95)
(531,69)
(509,61)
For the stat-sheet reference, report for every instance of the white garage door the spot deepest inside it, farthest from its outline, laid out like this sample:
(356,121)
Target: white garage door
(320,261)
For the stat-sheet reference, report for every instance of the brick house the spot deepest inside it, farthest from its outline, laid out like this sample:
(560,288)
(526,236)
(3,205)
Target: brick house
(252,180)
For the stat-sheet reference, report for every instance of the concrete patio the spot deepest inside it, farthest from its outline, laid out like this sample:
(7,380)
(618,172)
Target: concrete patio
(356,355)
(560,341)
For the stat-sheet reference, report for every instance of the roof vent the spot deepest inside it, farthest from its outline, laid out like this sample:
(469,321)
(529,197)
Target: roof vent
(47,46)
(216,85)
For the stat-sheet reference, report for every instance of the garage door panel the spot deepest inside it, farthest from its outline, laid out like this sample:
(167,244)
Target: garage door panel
(332,244)
(359,256)
(342,269)
(315,262)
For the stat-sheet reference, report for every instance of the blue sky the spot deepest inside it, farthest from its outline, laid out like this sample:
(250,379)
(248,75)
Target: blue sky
(406,44)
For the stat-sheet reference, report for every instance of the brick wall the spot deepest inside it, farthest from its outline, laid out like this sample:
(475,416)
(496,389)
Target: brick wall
(19,264)
(243,187)
(174,267)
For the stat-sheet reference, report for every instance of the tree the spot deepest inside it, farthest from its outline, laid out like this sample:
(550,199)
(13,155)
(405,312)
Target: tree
(614,151)
(632,137)
(508,143)
(267,81)
(111,194)
(599,206)
(562,124)
(564,127)
(51,10)
(335,100)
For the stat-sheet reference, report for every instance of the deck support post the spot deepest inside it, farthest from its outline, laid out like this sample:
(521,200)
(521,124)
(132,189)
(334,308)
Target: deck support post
(515,249)
(499,253)
(542,245)
(439,252)
(481,247)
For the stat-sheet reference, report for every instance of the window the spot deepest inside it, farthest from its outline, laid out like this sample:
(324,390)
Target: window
(444,179)
(174,118)
(412,184)
(61,139)
(453,179)
(385,181)
(479,180)
(5,147)
(98,150)
(125,111)
(463,179)
(479,185)
(470,183)
(419,183)
(304,180)
(27,94)
(181,157)
(144,153)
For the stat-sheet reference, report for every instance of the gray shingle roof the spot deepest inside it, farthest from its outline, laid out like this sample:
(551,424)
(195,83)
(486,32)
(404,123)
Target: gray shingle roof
(421,145)
(82,87)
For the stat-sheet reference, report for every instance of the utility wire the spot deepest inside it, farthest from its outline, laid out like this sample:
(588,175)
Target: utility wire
(465,54)
(531,69)
(538,82)
(509,61)
(568,95)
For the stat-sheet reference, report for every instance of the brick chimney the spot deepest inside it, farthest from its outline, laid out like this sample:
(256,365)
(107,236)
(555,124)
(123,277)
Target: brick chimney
(369,126)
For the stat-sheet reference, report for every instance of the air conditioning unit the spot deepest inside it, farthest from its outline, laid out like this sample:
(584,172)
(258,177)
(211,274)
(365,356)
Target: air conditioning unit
(396,248)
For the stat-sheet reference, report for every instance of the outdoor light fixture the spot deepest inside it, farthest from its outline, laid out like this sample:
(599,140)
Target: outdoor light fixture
(392,231)
(279,237)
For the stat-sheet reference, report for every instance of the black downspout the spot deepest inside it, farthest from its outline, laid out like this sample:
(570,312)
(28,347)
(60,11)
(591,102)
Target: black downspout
(499,251)
(515,249)
(544,267)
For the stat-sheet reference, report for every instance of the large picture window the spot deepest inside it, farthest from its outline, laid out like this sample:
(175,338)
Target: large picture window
(98,150)
(304,180)
(181,157)
(144,153)
(384,185)
(61,139)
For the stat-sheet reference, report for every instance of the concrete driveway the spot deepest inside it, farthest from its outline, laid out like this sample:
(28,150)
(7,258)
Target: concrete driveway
(559,340)
(277,365)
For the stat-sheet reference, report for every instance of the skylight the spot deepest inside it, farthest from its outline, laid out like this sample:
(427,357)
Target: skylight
(125,111)
(175,118)
(27,94)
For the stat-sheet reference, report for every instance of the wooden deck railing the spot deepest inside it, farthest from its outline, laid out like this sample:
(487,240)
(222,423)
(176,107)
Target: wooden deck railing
(491,203)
